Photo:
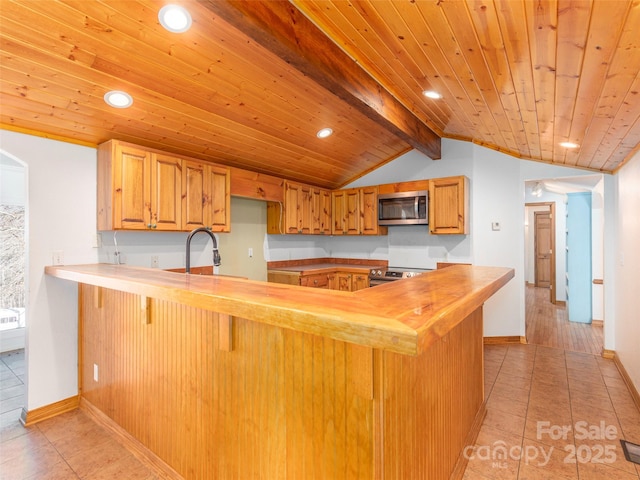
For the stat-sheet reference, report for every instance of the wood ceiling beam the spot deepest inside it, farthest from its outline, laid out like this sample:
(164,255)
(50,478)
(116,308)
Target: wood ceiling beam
(282,29)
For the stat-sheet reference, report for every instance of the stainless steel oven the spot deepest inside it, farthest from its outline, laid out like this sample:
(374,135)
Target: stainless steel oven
(382,276)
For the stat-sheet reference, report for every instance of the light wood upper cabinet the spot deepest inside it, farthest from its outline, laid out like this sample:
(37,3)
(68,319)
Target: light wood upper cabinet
(355,212)
(205,196)
(345,205)
(140,189)
(124,187)
(305,210)
(218,198)
(352,211)
(166,192)
(369,212)
(321,211)
(449,206)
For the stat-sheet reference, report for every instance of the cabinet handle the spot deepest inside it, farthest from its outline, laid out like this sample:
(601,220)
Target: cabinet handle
(315,282)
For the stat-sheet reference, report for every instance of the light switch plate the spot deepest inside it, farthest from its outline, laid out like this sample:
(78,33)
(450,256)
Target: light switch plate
(495,226)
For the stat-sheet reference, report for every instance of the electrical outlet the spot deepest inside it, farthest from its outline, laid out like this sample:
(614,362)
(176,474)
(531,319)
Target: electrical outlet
(97,240)
(155,261)
(95,372)
(57,257)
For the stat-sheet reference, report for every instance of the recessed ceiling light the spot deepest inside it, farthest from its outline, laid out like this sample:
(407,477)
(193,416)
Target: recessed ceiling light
(324,133)
(118,99)
(432,94)
(175,18)
(569,145)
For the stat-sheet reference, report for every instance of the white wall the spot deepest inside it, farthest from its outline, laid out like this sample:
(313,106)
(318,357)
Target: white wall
(61,215)
(627,267)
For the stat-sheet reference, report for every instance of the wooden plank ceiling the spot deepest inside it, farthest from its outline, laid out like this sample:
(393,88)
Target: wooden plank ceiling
(251,83)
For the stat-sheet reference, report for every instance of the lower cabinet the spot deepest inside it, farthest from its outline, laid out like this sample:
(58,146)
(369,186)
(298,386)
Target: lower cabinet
(318,280)
(334,280)
(359,282)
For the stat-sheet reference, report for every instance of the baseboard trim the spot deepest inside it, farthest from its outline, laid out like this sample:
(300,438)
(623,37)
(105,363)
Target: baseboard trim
(610,354)
(137,449)
(627,379)
(461,463)
(597,323)
(502,340)
(31,417)
(561,303)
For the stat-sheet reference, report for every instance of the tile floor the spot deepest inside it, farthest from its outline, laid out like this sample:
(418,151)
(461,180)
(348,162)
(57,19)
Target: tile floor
(541,403)
(69,446)
(553,414)
(12,389)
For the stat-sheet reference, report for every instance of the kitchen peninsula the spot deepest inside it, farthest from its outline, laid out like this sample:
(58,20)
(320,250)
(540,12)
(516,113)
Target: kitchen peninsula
(231,378)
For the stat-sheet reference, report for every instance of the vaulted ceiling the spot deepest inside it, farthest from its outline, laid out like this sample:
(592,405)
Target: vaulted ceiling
(251,82)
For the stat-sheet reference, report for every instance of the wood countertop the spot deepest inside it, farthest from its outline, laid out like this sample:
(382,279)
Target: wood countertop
(404,317)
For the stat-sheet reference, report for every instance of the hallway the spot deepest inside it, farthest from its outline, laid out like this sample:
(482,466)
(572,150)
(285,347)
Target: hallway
(547,325)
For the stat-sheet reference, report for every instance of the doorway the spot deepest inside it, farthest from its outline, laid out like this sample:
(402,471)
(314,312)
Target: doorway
(542,249)
(12,253)
(540,240)
(13,277)
(546,319)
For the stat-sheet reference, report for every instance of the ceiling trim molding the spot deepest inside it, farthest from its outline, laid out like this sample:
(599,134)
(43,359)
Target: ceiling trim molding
(282,29)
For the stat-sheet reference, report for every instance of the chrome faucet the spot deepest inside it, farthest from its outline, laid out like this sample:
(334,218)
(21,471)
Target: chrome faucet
(216,254)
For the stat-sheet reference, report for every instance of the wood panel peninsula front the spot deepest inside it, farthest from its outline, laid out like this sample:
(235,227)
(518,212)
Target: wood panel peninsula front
(224,378)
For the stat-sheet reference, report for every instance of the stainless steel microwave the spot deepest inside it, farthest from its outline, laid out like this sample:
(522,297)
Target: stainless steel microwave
(403,208)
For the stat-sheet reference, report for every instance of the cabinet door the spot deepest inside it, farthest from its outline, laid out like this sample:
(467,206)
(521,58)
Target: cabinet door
(166,192)
(131,188)
(360,281)
(369,215)
(320,211)
(343,280)
(305,209)
(193,195)
(352,213)
(325,212)
(292,206)
(218,198)
(338,212)
(448,210)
